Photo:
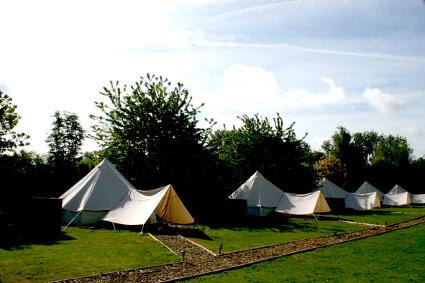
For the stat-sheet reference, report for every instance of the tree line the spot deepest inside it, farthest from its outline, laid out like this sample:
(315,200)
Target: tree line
(150,131)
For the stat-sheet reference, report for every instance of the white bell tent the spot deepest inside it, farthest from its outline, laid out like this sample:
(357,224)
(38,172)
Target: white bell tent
(330,190)
(94,195)
(397,189)
(397,199)
(368,188)
(260,194)
(137,207)
(105,194)
(362,201)
(302,204)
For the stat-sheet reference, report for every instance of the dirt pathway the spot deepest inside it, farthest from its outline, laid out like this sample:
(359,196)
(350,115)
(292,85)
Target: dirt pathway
(198,261)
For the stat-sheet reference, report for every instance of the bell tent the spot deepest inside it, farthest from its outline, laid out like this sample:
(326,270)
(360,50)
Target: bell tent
(330,190)
(94,195)
(105,194)
(260,194)
(302,204)
(368,188)
(397,199)
(396,190)
(362,201)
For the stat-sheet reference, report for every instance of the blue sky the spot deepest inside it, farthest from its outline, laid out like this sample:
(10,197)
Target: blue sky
(323,64)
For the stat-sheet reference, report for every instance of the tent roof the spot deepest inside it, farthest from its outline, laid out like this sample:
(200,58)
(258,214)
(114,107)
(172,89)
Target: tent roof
(330,190)
(397,199)
(397,189)
(137,207)
(362,201)
(301,204)
(258,191)
(368,188)
(99,190)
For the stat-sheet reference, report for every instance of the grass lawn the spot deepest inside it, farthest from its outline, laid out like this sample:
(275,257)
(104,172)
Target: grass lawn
(394,257)
(382,216)
(81,252)
(245,237)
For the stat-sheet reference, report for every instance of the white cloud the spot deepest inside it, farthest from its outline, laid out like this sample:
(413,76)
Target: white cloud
(248,90)
(383,102)
(303,97)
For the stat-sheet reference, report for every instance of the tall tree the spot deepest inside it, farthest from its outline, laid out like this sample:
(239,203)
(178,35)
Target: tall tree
(9,118)
(149,130)
(65,139)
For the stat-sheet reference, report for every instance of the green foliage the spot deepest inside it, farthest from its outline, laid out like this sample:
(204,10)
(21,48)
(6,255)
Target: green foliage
(331,168)
(393,151)
(9,139)
(149,130)
(270,148)
(65,140)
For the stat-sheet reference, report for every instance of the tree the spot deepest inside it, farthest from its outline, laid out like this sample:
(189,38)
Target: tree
(268,147)
(9,139)
(393,151)
(149,131)
(331,168)
(66,139)
(354,152)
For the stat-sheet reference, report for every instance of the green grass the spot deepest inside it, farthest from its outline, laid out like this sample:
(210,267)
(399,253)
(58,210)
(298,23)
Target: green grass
(383,216)
(240,237)
(82,252)
(394,257)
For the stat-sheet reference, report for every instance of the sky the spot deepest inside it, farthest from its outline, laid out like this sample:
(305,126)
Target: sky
(321,64)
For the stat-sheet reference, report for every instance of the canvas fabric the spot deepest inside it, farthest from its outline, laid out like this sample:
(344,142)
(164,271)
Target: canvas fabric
(302,204)
(330,190)
(362,201)
(368,188)
(418,198)
(397,190)
(137,207)
(397,199)
(99,190)
(258,192)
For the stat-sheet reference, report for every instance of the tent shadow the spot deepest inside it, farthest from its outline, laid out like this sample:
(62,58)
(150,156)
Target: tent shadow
(13,240)
(276,222)
(185,231)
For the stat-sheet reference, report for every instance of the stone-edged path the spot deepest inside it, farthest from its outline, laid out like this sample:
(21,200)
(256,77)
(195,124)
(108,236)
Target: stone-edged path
(198,261)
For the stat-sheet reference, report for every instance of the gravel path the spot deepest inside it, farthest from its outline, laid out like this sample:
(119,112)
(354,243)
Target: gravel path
(199,261)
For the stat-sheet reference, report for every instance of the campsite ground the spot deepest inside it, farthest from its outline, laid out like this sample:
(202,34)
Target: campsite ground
(83,251)
(394,257)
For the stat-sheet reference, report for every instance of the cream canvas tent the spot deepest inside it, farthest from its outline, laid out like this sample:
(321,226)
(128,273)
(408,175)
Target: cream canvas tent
(260,194)
(368,188)
(418,198)
(105,194)
(137,207)
(397,189)
(94,195)
(362,201)
(330,190)
(397,199)
(301,204)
